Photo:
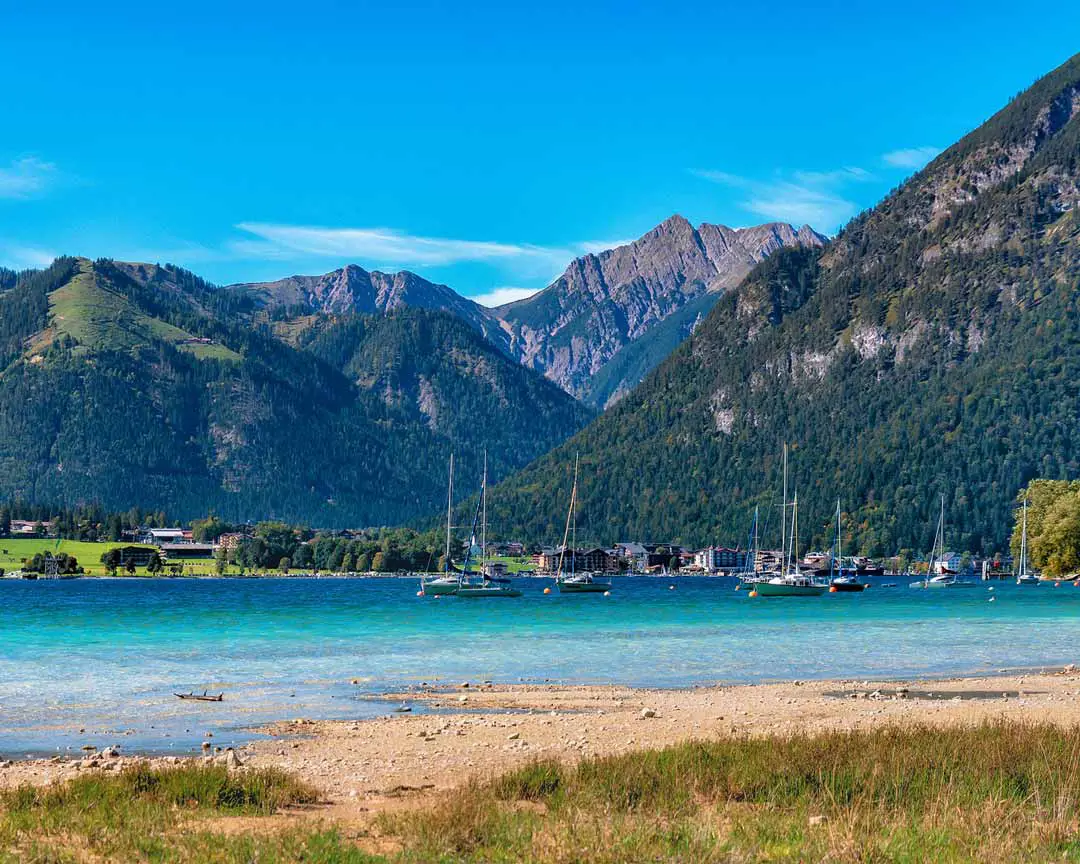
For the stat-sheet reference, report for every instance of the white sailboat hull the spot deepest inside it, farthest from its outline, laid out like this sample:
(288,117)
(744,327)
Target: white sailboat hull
(491,590)
(789,588)
(440,586)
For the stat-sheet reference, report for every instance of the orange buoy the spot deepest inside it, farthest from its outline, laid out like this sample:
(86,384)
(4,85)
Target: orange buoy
(1057,584)
(1076,584)
(547,590)
(737,587)
(419,593)
(832,589)
(753,593)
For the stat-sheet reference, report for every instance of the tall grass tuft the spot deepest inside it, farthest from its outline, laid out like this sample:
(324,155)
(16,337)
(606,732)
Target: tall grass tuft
(998,791)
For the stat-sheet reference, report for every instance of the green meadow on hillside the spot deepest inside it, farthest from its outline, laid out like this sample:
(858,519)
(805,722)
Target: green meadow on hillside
(97,317)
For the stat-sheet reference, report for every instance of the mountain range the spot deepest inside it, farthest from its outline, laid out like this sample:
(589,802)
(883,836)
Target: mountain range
(597,329)
(932,349)
(334,399)
(133,384)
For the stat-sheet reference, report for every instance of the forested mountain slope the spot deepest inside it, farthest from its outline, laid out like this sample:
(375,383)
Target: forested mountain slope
(131,384)
(932,349)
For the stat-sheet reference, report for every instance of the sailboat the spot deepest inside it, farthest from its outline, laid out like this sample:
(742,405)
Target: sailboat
(448,582)
(945,578)
(1023,577)
(791,581)
(468,585)
(574,582)
(750,576)
(839,580)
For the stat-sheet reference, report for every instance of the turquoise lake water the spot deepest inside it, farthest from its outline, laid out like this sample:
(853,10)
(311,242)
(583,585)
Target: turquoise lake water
(97,661)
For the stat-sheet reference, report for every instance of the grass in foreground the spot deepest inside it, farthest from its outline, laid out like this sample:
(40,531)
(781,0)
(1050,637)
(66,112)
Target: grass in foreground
(997,792)
(1000,792)
(160,815)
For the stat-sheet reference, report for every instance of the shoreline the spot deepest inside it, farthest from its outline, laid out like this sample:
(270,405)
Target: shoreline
(480,730)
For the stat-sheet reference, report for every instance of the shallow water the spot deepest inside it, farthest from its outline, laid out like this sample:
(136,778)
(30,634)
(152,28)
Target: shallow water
(105,656)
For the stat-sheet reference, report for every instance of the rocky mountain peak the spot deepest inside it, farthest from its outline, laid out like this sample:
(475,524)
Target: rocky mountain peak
(604,302)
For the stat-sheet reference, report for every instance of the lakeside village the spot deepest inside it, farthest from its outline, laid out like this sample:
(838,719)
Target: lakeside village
(37,549)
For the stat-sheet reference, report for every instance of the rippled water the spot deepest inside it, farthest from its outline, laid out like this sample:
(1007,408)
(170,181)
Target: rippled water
(105,656)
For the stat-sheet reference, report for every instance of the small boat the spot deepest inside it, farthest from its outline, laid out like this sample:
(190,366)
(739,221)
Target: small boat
(839,580)
(468,586)
(576,583)
(791,581)
(946,578)
(1023,577)
(584,583)
(447,583)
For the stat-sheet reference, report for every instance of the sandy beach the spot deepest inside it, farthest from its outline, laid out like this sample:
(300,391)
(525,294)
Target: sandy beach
(456,733)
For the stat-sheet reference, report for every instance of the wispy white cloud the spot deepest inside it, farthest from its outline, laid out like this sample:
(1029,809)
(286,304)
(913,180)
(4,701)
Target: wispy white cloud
(500,296)
(27,177)
(391,248)
(384,245)
(20,257)
(807,197)
(912,157)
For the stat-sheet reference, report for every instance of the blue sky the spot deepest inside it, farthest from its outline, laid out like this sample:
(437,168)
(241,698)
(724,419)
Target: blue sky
(484,144)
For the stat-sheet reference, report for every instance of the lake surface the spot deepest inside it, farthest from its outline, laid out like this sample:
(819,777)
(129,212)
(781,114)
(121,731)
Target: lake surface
(97,661)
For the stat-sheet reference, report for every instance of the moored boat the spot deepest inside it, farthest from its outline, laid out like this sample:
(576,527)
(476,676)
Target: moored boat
(447,583)
(468,585)
(839,580)
(1022,576)
(791,581)
(574,582)
(945,577)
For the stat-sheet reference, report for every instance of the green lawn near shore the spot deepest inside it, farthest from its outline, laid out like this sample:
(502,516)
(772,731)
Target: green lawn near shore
(14,549)
(1003,791)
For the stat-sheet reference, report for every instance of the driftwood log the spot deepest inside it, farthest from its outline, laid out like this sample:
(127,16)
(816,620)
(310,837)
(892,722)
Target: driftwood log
(200,698)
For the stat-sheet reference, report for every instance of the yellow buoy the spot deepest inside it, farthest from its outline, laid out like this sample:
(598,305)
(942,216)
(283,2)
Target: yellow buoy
(737,587)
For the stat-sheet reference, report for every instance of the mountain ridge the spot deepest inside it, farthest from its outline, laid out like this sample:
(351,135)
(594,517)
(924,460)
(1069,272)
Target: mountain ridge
(606,301)
(931,349)
(613,297)
(128,384)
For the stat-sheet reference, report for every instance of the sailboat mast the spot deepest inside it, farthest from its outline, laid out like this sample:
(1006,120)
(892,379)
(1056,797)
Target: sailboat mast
(449,513)
(941,546)
(566,530)
(1023,543)
(783,515)
(839,548)
(573,509)
(751,563)
(483,524)
(793,566)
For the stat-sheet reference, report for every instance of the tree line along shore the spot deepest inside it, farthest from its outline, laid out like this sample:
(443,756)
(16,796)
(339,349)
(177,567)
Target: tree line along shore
(90,541)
